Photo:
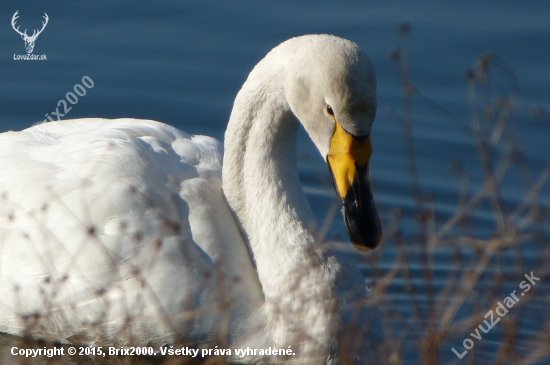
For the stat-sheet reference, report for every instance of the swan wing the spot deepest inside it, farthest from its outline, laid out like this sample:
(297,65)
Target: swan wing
(112,221)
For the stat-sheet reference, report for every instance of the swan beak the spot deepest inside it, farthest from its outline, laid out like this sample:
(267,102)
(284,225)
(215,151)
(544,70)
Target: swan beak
(348,162)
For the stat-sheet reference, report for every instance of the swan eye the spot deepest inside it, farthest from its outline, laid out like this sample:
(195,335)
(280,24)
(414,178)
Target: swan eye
(329,110)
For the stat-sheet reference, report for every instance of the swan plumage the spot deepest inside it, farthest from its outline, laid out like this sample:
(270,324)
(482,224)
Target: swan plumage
(124,231)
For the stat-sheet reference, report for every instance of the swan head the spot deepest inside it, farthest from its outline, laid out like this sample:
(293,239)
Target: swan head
(330,87)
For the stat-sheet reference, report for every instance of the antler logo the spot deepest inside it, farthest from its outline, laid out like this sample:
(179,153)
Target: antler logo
(29,41)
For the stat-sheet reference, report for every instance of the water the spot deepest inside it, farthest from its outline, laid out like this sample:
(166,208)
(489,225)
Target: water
(183,62)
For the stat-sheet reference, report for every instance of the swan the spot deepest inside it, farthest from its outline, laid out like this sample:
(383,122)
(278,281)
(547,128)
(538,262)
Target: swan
(132,232)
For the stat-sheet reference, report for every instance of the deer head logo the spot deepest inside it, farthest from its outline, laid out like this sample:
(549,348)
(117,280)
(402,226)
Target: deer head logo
(29,41)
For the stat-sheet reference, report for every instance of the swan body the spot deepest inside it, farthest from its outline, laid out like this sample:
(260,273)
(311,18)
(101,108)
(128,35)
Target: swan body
(132,232)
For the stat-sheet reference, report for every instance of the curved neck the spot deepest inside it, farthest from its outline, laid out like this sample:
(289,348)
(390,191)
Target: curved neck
(260,181)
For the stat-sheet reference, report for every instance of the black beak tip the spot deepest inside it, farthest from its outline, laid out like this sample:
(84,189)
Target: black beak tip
(366,233)
(367,245)
(361,218)
(359,211)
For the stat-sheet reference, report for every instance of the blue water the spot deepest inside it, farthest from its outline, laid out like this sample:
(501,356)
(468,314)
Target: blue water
(183,62)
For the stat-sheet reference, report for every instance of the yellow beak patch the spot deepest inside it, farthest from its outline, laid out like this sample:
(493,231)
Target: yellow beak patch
(345,152)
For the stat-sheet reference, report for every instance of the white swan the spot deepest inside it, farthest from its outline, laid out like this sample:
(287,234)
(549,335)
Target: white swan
(119,231)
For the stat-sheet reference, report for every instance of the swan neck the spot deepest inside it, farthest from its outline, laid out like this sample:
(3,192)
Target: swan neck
(260,179)
(261,184)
